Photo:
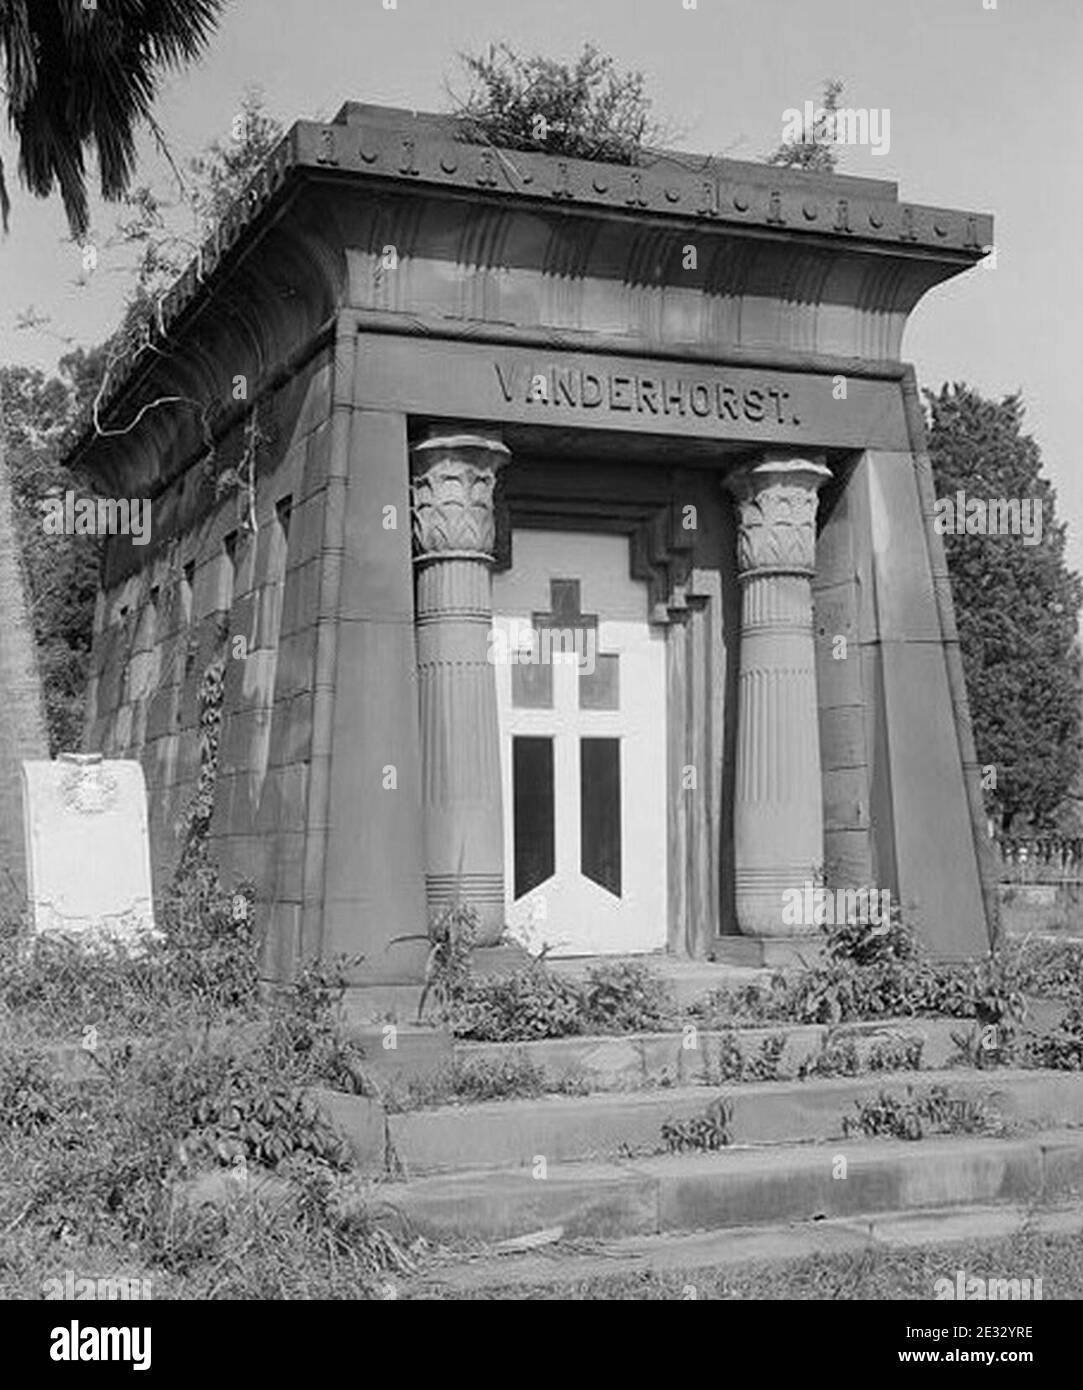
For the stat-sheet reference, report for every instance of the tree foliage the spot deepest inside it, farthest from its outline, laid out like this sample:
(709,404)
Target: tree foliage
(61,571)
(81,77)
(165,227)
(40,411)
(589,110)
(1017,608)
(817,149)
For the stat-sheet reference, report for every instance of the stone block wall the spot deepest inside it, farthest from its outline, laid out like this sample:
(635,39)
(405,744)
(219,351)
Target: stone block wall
(209,586)
(841,648)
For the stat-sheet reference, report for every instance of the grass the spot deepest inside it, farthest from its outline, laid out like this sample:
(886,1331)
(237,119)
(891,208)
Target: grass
(193,1082)
(875,1273)
(192,1077)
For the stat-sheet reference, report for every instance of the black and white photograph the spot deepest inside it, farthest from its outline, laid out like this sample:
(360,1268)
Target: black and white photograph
(541,694)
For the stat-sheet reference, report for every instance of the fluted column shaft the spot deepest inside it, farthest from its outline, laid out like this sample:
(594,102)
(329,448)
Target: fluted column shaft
(778,805)
(453,476)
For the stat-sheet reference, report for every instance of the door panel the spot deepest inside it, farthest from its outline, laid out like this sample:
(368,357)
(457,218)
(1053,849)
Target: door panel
(581,700)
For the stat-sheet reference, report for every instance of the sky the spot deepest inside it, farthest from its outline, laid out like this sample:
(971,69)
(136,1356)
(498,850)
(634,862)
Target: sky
(983,104)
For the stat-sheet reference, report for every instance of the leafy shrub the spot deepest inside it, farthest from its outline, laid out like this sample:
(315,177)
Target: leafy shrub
(702,1133)
(1053,969)
(203,965)
(452,936)
(766,1065)
(589,111)
(532,1003)
(1061,1049)
(913,1116)
(730,1064)
(210,953)
(897,1054)
(307,1040)
(837,1056)
(232,1108)
(626,997)
(863,942)
(28,1092)
(867,976)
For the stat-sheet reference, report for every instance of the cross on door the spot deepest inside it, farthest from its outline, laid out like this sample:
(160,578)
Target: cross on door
(566,614)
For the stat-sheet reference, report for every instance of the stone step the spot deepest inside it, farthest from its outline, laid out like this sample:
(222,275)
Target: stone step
(632,1061)
(557,1263)
(561,1129)
(733,1188)
(689,980)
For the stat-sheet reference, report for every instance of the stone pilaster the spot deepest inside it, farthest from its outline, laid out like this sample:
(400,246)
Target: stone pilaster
(778,807)
(452,480)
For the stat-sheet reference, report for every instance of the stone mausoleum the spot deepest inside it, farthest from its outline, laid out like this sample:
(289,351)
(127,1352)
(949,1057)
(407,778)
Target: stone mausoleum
(566,532)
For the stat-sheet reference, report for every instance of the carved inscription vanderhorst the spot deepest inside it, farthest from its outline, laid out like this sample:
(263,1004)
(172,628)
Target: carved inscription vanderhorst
(673,394)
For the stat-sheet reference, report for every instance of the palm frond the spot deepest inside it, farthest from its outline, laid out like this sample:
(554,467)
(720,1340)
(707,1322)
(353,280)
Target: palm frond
(80,79)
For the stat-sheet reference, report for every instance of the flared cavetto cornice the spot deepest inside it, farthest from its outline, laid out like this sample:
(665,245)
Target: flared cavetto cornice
(389,211)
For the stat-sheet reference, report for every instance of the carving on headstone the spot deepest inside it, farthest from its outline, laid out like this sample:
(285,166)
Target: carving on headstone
(88,788)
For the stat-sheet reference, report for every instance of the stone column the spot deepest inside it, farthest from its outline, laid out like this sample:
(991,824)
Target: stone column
(778,807)
(452,480)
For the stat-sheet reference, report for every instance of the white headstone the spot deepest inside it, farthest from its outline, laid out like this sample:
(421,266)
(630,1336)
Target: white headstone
(87,848)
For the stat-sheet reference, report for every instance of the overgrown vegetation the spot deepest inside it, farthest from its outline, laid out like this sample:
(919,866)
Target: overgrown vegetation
(730,1063)
(702,1133)
(588,110)
(536,1003)
(866,973)
(920,1113)
(468,1080)
(188,1147)
(869,974)
(816,149)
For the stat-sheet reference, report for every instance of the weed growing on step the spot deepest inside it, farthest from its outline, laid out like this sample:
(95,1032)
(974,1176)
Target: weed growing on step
(621,997)
(838,1056)
(451,937)
(918,1114)
(766,1063)
(701,1134)
(727,1064)
(468,1080)
(976,1049)
(626,997)
(730,1064)
(1049,969)
(530,1004)
(574,1081)
(306,1039)
(896,1054)
(883,975)
(1062,1048)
